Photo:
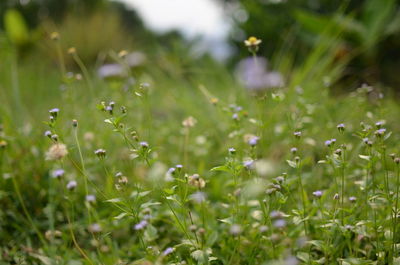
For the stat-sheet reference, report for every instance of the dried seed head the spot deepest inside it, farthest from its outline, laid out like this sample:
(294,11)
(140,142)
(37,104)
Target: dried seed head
(189,122)
(72,51)
(56,152)
(3,144)
(54,36)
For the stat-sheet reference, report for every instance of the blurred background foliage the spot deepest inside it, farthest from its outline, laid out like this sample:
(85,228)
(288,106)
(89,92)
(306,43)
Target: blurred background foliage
(368,32)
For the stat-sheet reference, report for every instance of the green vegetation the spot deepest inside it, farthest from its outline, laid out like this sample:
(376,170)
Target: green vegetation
(173,161)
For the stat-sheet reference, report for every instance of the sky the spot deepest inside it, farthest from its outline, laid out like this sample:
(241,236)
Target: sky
(205,18)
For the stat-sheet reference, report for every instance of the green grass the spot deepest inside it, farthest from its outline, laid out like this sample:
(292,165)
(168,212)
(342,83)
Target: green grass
(264,214)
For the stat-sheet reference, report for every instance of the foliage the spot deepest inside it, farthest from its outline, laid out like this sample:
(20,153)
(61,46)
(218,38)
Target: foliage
(174,162)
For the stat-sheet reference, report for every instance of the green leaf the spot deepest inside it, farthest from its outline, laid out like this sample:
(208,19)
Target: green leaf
(221,168)
(303,256)
(212,238)
(292,163)
(368,158)
(15,27)
(199,256)
(109,121)
(148,204)
(114,200)
(120,216)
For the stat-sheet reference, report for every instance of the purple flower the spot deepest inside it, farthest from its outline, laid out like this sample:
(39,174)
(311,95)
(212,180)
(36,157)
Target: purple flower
(352,199)
(168,251)
(95,228)
(58,173)
(171,170)
(380,132)
(297,134)
(248,164)
(235,116)
(340,127)
(91,198)
(72,185)
(330,142)
(54,112)
(280,223)
(276,214)
(47,133)
(254,74)
(253,141)
(110,70)
(141,225)
(293,150)
(232,150)
(317,193)
(101,153)
(144,144)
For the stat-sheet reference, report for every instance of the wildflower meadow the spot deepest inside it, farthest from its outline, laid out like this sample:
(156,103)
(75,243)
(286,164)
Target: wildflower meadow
(159,157)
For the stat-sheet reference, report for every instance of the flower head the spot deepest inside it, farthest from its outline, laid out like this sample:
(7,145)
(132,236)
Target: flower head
(341,127)
(71,185)
(235,230)
(189,122)
(168,251)
(91,198)
(317,193)
(141,225)
(252,42)
(56,152)
(100,153)
(253,141)
(58,173)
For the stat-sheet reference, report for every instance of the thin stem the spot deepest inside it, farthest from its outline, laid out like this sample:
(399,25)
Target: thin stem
(21,201)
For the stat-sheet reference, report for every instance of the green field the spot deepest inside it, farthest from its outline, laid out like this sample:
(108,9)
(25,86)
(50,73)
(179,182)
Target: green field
(176,162)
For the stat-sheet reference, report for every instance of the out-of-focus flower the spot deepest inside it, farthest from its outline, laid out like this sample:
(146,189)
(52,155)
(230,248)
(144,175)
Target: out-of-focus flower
(189,122)
(248,164)
(198,197)
(72,185)
(91,198)
(317,193)
(141,225)
(56,152)
(252,41)
(253,73)
(95,228)
(196,181)
(58,173)
(168,251)
(235,230)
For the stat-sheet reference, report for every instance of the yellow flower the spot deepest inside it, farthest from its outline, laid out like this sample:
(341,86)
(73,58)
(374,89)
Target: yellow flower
(252,42)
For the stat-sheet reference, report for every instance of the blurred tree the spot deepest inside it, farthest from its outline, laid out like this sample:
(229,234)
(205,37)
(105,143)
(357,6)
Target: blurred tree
(371,31)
